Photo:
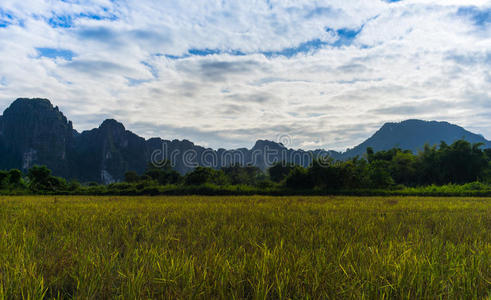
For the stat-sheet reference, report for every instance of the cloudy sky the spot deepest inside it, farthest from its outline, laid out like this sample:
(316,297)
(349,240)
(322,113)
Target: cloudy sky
(225,73)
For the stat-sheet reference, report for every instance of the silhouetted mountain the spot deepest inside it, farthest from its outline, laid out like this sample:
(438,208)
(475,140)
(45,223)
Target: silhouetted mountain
(32,131)
(413,135)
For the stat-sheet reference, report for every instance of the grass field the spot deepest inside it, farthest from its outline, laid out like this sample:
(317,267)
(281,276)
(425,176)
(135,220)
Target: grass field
(250,247)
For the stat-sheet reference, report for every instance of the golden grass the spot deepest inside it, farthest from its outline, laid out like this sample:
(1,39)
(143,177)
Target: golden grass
(252,247)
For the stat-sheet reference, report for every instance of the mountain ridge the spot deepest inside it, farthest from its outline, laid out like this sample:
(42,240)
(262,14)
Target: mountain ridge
(33,131)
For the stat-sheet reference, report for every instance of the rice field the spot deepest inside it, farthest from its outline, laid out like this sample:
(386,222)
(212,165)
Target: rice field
(244,247)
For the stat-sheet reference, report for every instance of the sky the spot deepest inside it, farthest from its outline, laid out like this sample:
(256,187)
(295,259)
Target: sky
(310,74)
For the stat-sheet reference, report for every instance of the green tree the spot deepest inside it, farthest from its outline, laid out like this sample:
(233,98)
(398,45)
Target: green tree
(379,174)
(15,177)
(461,162)
(202,175)
(403,168)
(164,174)
(246,175)
(326,174)
(40,180)
(280,171)
(429,166)
(355,174)
(299,178)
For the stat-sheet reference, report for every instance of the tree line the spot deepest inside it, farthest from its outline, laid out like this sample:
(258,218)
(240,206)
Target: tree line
(457,164)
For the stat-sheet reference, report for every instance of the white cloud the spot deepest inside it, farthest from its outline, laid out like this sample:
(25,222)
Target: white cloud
(409,55)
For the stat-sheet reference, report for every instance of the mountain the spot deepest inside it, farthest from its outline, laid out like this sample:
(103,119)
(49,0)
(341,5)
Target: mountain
(32,132)
(413,135)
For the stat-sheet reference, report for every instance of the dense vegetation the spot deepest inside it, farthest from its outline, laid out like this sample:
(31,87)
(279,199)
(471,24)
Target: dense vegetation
(253,247)
(457,169)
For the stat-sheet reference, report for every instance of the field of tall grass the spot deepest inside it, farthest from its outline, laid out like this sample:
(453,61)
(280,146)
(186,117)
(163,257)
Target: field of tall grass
(253,247)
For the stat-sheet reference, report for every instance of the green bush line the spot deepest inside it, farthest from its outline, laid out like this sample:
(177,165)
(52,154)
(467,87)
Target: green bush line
(231,190)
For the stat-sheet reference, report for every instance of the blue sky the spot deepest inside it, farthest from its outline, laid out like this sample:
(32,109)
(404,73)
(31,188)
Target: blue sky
(225,73)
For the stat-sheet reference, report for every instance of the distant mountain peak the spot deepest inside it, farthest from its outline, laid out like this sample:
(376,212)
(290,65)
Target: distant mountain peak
(32,101)
(112,124)
(413,134)
(261,144)
(35,108)
(27,105)
(416,122)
